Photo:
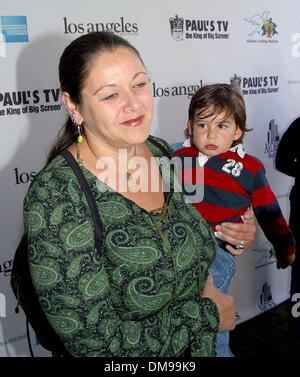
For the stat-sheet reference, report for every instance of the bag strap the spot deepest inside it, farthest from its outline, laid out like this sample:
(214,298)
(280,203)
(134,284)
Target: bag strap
(161,147)
(167,153)
(89,196)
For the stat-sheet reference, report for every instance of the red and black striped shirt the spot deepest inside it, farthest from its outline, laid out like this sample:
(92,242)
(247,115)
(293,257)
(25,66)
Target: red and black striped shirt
(231,184)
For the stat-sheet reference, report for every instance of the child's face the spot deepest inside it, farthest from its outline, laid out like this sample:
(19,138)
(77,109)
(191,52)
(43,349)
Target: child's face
(213,135)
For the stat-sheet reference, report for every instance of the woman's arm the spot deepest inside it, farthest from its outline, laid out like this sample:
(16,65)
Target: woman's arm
(224,302)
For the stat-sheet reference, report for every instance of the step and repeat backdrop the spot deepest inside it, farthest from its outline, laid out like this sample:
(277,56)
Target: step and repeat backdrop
(254,45)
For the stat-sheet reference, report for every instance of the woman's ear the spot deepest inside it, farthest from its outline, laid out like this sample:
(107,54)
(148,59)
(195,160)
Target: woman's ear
(72,108)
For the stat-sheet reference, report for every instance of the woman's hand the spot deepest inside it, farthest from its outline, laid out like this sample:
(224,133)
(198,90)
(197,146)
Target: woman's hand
(238,234)
(224,302)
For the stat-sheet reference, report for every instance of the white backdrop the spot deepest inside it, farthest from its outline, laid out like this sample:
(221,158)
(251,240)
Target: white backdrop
(215,41)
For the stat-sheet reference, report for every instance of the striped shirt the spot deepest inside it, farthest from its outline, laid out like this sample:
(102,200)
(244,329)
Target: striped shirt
(232,182)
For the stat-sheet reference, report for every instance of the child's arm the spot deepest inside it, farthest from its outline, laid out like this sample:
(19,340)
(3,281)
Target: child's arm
(271,220)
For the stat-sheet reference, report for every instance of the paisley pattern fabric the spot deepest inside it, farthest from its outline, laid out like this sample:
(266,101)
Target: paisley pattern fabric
(141,296)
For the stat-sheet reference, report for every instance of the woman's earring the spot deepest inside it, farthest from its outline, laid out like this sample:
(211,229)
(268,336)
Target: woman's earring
(79,129)
(80,135)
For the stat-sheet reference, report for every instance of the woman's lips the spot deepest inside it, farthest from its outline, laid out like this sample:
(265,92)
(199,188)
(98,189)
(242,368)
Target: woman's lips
(211,147)
(134,122)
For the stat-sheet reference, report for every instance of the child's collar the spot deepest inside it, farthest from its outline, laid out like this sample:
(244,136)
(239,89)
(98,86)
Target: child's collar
(239,149)
(202,158)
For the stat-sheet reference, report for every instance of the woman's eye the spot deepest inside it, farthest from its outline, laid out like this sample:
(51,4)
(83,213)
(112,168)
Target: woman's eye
(140,85)
(110,97)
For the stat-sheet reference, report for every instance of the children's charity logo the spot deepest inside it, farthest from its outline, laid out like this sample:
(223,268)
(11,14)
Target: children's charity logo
(262,24)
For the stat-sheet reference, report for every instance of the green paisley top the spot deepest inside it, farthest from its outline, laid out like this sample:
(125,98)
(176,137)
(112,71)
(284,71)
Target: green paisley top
(141,296)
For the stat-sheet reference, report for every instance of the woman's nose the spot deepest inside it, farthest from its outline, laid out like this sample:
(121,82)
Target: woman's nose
(131,101)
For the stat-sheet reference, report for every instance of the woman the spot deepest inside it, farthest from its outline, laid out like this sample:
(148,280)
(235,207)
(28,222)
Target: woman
(147,294)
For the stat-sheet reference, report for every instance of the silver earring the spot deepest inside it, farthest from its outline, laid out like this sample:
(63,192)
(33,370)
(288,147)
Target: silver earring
(73,119)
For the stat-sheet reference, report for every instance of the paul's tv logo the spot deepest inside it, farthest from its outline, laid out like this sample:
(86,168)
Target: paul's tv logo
(176,24)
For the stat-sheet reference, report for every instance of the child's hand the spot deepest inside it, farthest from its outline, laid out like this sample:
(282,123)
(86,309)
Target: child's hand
(283,261)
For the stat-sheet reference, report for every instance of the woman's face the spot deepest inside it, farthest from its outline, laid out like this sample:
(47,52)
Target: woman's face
(117,102)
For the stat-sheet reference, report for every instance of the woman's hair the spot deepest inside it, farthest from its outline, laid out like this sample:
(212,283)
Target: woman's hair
(215,99)
(74,68)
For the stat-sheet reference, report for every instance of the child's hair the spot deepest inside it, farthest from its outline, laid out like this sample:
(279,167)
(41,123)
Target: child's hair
(219,98)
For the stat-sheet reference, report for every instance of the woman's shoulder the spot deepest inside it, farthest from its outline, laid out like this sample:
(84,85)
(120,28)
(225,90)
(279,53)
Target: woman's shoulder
(53,178)
(160,145)
(57,167)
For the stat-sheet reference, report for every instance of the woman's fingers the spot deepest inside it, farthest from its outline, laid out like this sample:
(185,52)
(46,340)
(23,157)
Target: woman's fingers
(234,233)
(234,251)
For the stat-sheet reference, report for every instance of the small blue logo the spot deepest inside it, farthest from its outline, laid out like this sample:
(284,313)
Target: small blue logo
(14,29)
